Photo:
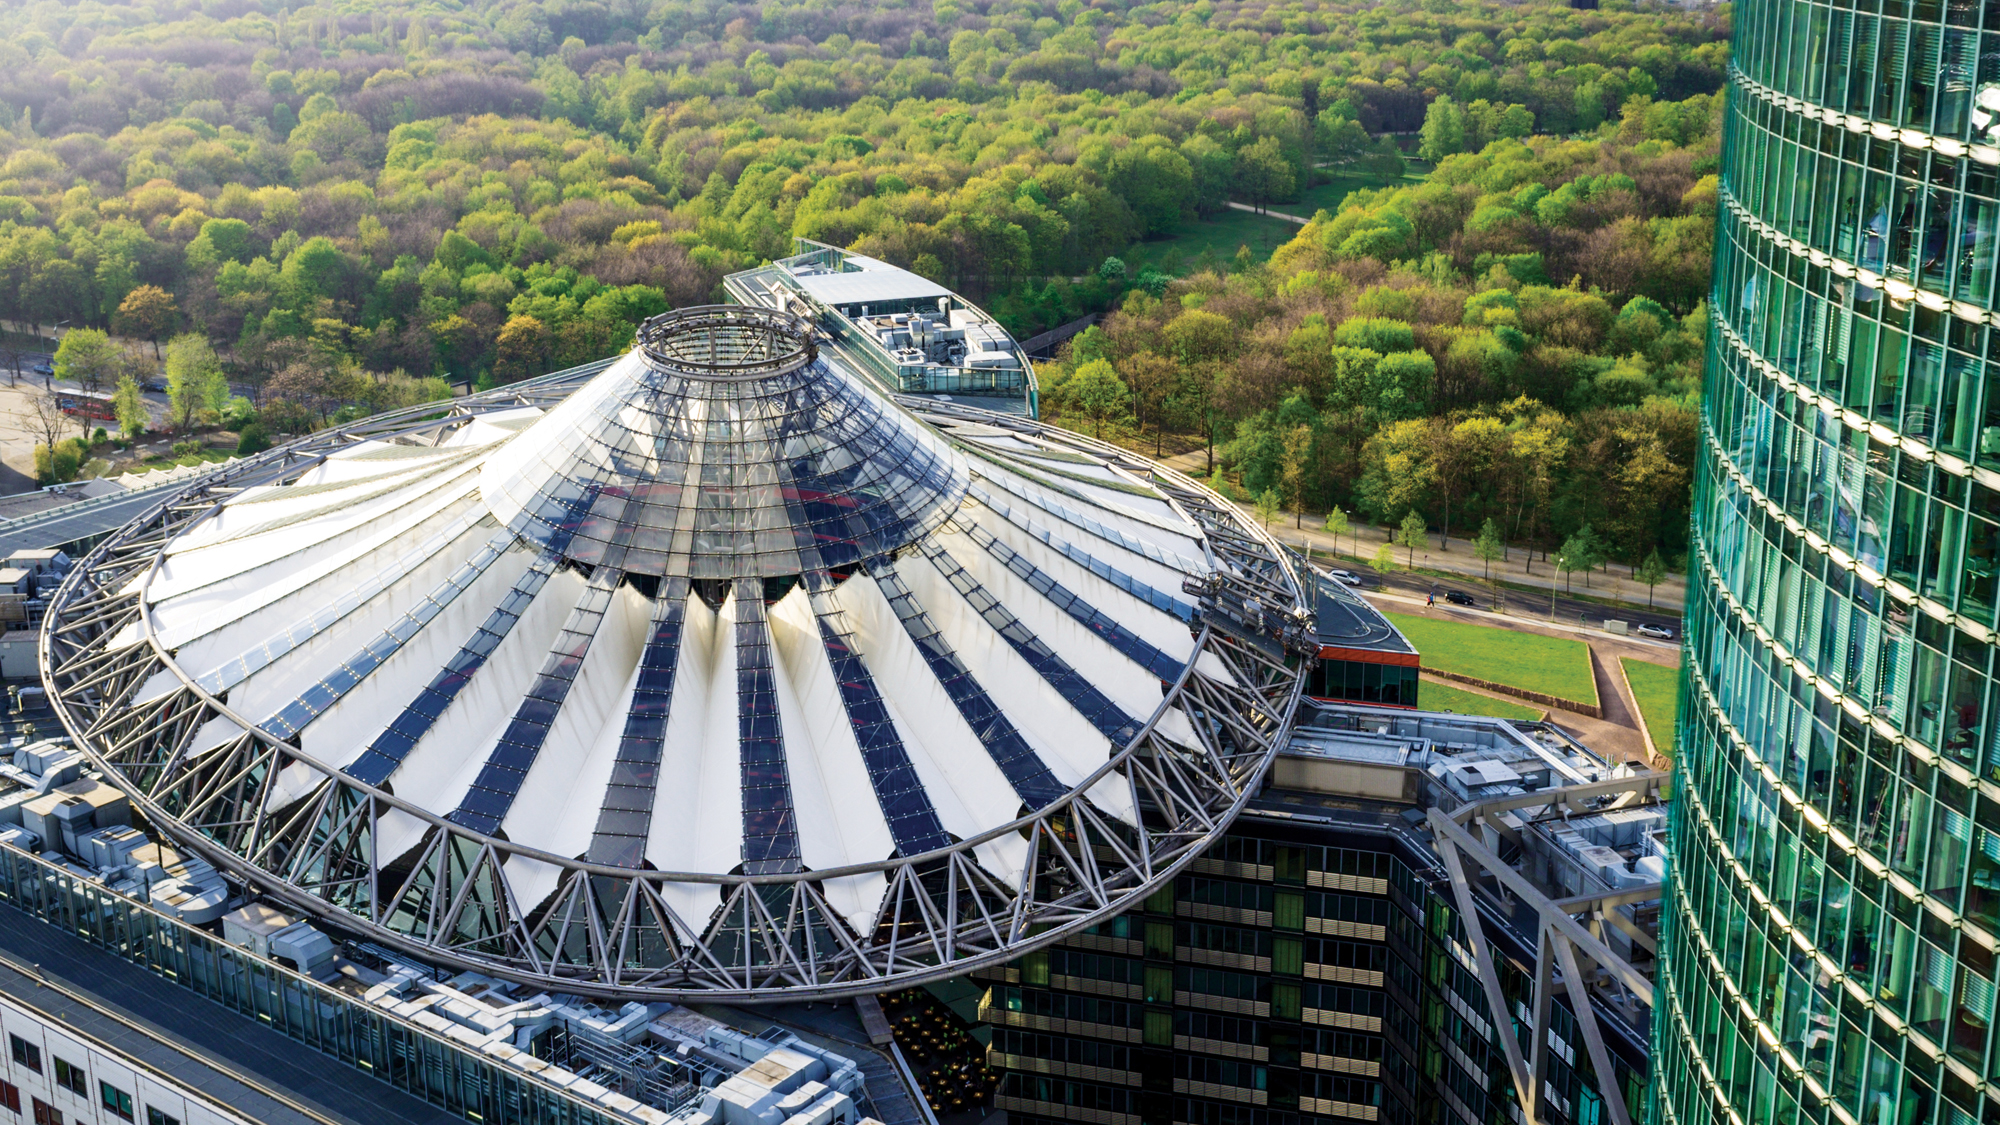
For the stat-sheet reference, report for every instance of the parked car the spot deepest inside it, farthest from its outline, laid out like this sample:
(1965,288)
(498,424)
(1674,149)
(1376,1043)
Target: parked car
(1347,576)
(43,369)
(1659,632)
(1460,597)
(154,386)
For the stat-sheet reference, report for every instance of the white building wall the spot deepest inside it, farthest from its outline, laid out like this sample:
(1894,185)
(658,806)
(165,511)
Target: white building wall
(149,1089)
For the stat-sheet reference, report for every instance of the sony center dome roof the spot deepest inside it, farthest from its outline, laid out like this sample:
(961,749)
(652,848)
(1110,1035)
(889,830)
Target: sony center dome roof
(708,671)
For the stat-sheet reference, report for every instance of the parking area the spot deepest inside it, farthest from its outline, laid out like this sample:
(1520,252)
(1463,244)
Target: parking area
(22,428)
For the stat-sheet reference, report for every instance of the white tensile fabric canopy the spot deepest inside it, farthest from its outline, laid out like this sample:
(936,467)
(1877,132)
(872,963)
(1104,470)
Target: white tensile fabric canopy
(704,625)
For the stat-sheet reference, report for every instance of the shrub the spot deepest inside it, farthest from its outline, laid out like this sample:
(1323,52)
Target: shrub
(238,413)
(253,438)
(65,463)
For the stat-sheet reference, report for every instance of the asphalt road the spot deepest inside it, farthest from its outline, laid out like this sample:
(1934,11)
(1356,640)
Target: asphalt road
(31,378)
(1519,604)
(18,433)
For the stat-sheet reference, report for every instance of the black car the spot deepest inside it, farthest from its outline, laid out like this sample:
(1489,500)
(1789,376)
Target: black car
(155,386)
(1460,597)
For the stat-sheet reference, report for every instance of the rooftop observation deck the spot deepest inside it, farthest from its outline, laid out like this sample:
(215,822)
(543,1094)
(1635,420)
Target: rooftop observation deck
(906,333)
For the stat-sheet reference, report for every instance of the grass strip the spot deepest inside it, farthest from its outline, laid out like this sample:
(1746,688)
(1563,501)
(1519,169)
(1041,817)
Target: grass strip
(1530,661)
(1657,688)
(1436,695)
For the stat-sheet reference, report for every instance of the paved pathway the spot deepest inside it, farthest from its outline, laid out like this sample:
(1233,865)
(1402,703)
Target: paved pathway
(1454,556)
(1269,214)
(1616,737)
(1645,648)
(1519,570)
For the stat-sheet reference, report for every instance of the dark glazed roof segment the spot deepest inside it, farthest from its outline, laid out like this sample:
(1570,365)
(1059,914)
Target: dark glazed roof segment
(724,447)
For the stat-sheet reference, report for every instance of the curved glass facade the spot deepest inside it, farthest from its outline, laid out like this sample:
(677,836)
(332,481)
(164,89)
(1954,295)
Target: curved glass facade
(1827,952)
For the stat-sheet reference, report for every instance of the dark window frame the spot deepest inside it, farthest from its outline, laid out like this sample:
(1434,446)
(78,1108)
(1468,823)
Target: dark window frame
(72,1077)
(113,1099)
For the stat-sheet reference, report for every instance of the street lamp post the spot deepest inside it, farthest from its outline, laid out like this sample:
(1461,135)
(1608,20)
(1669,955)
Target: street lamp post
(49,380)
(1552,591)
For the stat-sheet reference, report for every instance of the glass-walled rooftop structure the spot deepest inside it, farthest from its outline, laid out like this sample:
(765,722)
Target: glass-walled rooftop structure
(905,333)
(1828,954)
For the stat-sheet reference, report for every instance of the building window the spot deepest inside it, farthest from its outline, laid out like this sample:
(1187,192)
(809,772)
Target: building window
(25,1053)
(1288,956)
(45,1114)
(71,1077)
(1289,864)
(1289,911)
(155,1117)
(115,1100)
(1285,1001)
(1035,969)
(10,1096)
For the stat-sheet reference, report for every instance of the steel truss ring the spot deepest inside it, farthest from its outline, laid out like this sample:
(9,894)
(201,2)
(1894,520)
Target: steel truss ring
(609,931)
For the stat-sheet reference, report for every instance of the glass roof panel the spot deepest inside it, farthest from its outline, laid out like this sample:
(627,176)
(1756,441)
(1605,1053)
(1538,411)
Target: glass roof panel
(742,455)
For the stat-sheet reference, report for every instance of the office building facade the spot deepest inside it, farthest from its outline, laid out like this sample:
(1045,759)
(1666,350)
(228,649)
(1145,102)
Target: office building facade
(54,1072)
(1828,953)
(1314,966)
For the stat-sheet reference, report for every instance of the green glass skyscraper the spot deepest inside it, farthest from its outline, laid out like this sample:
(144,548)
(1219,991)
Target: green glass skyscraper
(1834,906)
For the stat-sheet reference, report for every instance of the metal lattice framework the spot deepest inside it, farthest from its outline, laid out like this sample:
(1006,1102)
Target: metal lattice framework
(1571,955)
(610,931)
(728,341)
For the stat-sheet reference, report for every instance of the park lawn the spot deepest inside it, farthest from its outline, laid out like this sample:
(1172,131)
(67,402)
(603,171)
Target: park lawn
(1657,688)
(1211,243)
(1340,185)
(1436,695)
(1550,665)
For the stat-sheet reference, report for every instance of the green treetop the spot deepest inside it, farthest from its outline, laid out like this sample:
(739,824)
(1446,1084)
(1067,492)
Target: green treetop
(87,356)
(1411,535)
(195,382)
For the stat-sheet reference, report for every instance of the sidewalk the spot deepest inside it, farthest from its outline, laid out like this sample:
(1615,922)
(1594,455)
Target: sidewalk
(1268,213)
(1616,736)
(1515,570)
(53,337)
(1667,650)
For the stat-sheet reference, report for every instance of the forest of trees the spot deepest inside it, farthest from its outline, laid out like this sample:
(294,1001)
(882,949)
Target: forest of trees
(345,206)
(1518,338)
(488,190)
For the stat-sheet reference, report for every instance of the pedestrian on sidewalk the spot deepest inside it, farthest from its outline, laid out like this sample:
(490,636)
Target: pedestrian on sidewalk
(1431,599)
